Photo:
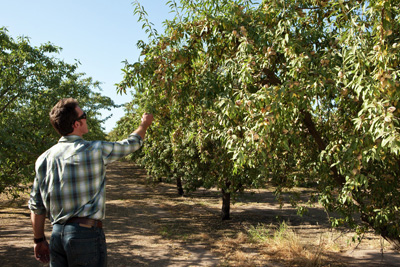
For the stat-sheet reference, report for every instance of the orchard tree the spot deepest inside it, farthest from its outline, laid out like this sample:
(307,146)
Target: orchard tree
(289,92)
(195,155)
(31,83)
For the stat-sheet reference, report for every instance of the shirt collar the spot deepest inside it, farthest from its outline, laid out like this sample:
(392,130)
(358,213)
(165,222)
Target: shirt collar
(69,139)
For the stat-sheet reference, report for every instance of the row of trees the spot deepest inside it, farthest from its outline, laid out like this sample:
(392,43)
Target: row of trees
(32,80)
(286,92)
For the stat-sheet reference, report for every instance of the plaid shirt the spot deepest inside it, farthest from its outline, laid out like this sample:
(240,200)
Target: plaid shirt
(70,177)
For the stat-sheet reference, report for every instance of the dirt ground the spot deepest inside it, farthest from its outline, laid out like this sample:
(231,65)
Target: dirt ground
(150,225)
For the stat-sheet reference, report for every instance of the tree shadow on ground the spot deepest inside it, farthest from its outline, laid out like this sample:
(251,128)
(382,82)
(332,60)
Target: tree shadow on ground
(134,225)
(195,219)
(16,236)
(150,225)
(17,256)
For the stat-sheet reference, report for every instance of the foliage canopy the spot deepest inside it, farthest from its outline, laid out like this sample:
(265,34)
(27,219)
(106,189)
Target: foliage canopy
(31,83)
(291,93)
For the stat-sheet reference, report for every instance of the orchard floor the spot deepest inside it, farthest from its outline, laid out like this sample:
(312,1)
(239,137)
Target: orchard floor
(149,225)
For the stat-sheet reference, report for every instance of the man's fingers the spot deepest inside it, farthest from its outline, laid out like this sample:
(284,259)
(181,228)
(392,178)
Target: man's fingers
(147,117)
(43,258)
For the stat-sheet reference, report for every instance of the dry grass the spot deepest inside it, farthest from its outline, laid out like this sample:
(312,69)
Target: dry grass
(255,237)
(237,251)
(281,245)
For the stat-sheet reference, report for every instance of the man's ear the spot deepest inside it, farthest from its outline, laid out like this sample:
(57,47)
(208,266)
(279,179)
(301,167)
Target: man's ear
(75,125)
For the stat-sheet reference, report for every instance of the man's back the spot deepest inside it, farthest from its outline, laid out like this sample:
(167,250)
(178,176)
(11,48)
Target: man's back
(71,176)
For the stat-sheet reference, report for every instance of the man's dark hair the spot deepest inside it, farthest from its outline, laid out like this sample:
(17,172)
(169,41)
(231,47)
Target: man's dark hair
(63,115)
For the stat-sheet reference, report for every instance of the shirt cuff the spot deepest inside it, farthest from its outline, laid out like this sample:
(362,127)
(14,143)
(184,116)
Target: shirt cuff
(138,136)
(39,212)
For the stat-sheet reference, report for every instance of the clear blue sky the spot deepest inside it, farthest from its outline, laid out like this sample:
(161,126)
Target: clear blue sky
(99,33)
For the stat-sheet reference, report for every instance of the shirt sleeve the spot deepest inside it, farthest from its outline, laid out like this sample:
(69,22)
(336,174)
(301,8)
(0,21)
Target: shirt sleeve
(35,203)
(113,151)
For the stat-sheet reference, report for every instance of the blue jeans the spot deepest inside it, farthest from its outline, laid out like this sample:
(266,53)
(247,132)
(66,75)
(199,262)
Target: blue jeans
(75,245)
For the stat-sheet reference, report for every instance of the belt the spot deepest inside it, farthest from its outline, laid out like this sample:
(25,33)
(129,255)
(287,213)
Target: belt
(87,221)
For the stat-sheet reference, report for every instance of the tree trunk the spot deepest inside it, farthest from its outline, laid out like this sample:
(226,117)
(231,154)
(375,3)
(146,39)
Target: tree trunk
(341,180)
(226,205)
(383,231)
(179,186)
(307,119)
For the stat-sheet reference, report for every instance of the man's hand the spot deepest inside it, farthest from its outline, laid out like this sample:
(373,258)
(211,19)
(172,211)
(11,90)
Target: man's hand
(147,119)
(42,252)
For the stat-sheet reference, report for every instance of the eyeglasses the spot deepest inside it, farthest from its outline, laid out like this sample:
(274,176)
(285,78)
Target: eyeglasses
(83,116)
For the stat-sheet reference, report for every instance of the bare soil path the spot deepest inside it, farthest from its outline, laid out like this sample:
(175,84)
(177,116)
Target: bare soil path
(149,225)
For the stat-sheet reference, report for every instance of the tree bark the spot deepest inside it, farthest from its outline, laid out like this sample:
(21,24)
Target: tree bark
(179,186)
(226,205)
(383,231)
(307,119)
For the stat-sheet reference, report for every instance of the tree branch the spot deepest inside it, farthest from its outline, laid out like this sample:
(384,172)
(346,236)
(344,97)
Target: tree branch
(9,102)
(307,119)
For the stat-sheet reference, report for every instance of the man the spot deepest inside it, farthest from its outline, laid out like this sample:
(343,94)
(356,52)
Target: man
(69,188)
